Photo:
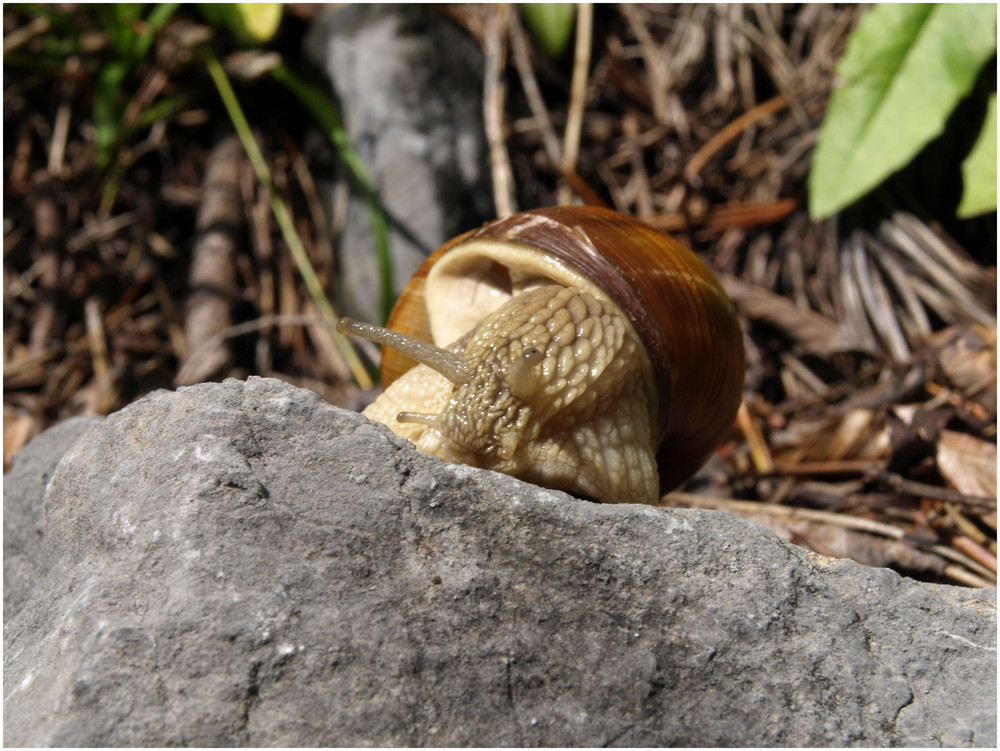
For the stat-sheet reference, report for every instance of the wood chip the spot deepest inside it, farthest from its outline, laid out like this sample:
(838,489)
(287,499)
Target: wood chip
(968,463)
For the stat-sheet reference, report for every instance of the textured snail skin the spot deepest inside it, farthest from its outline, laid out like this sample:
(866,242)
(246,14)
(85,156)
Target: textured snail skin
(597,355)
(556,398)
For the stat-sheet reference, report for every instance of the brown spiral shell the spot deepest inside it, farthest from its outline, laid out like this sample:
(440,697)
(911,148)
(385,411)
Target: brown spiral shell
(680,311)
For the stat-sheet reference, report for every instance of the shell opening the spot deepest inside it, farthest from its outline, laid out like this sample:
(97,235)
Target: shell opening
(451,366)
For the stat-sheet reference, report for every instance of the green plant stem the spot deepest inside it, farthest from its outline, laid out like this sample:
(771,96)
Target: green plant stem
(323,110)
(281,215)
(156,20)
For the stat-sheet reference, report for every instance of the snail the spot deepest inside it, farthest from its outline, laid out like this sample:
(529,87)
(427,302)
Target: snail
(573,347)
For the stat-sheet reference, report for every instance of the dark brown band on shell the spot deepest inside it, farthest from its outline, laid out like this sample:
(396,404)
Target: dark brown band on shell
(687,323)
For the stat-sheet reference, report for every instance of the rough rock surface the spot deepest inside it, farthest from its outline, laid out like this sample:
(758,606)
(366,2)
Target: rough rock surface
(240,563)
(23,492)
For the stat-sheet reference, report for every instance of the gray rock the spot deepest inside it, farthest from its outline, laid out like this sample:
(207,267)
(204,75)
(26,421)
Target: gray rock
(240,563)
(409,82)
(23,490)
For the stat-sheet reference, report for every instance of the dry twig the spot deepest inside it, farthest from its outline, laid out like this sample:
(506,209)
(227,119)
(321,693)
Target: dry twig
(578,95)
(495,47)
(213,273)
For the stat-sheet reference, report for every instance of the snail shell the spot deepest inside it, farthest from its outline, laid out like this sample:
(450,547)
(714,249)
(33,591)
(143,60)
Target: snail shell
(580,349)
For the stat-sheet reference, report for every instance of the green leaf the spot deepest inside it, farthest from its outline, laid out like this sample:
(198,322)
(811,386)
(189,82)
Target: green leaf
(905,69)
(550,25)
(257,23)
(979,170)
(251,23)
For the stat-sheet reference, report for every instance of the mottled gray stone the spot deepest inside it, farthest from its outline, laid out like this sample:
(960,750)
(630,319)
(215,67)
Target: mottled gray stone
(23,490)
(409,83)
(241,563)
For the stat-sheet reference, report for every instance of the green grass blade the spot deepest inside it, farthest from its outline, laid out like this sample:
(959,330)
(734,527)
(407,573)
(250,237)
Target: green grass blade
(155,20)
(325,112)
(281,215)
(108,109)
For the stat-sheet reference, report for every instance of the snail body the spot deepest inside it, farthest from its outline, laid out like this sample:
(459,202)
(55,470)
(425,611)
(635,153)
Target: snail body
(573,347)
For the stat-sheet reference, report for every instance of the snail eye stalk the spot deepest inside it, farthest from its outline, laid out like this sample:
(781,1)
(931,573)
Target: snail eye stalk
(448,364)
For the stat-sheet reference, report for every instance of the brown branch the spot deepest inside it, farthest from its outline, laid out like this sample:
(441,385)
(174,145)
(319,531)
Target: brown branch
(731,131)
(48,239)
(900,484)
(213,270)
(733,215)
